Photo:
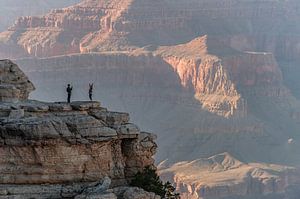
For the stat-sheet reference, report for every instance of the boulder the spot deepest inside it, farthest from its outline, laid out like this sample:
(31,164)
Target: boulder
(14,84)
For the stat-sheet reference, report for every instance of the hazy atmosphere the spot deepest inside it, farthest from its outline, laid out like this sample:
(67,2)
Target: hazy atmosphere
(214,83)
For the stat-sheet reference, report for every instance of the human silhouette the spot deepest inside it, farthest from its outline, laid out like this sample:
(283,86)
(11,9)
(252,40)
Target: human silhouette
(91,87)
(69,91)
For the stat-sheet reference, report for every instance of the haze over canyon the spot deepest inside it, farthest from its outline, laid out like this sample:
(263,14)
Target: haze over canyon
(217,80)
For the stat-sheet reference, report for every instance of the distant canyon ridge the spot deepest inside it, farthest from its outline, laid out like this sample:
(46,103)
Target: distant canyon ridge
(12,9)
(217,80)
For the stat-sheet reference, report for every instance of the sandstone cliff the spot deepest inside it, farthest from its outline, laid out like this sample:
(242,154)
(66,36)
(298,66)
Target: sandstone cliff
(206,75)
(56,150)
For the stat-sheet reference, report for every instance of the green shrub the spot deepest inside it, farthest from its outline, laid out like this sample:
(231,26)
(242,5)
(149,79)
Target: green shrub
(150,181)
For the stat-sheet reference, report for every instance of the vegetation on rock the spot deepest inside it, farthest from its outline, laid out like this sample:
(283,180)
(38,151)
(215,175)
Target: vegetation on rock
(150,181)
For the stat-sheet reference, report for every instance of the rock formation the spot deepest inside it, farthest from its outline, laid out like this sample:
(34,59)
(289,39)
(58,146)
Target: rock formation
(223,176)
(46,147)
(129,24)
(14,84)
(216,66)
(211,76)
(207,75)
(143,83)
(11,10)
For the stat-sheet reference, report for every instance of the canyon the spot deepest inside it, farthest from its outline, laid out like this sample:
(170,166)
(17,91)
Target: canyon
(148,87)
(126,25)
(211,77)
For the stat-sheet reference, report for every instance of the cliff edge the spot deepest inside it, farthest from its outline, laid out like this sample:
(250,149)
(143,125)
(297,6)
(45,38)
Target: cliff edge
(60,150)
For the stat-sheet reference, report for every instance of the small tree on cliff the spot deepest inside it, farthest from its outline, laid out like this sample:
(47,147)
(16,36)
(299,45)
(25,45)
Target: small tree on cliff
(150,181)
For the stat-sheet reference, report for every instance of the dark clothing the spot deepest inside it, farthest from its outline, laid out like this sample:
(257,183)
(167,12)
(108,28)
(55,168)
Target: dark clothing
(69,91)
(91,92)
(69,97)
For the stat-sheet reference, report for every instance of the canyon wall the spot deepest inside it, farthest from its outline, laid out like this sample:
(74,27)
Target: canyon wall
(150,86)
(127,25)
(146,83)
(11,10)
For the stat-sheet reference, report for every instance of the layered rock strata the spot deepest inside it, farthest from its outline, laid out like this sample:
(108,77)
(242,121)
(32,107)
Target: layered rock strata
(223,176)
(222,77)
(11,10)
(217,75)
(146,83)
(126,25)
(204,72)
(143,83)
(65,146)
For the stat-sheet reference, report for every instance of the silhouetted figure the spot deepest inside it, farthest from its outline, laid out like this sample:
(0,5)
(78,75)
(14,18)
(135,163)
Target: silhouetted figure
(91,91)
(69,91)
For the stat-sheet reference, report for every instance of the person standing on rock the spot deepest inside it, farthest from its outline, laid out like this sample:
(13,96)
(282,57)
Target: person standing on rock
(91,87)
(69,91)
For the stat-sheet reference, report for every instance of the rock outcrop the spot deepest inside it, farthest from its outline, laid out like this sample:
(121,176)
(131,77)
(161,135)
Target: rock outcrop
(58,144)
(14,85)
(207,75)
(223,176)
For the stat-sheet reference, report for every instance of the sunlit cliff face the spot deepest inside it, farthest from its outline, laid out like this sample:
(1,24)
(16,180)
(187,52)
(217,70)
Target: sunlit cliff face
(10,10)
(120,26)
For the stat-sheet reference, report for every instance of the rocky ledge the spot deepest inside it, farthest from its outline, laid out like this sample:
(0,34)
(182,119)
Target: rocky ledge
(61,150)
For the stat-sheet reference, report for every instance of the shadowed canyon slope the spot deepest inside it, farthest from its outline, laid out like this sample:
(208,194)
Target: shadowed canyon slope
(209,76)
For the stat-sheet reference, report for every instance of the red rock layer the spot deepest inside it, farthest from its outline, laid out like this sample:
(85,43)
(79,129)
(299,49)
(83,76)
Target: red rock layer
(128,24)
